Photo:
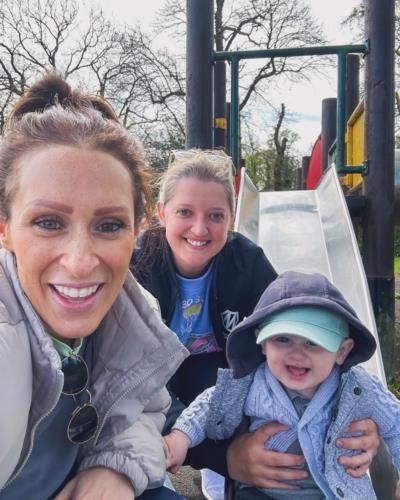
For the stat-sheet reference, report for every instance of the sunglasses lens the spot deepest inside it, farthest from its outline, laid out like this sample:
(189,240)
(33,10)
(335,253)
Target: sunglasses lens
(83,424)
(76,375)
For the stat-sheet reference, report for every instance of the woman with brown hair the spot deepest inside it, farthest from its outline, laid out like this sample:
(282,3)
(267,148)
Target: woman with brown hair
(80,340)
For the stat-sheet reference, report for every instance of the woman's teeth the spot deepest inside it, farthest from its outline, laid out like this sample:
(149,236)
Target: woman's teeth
(76,293)
(196,243)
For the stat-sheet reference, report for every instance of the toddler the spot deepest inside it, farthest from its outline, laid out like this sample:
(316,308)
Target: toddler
(304,376)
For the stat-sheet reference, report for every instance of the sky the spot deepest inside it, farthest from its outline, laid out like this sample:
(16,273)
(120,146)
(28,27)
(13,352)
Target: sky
(303,101)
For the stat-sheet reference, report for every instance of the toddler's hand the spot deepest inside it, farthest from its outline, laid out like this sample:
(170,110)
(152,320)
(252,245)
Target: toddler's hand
(397,494)
(176,444)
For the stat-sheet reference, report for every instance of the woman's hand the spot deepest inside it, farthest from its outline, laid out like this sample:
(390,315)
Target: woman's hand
(98,483)
(250,463)
(367,443)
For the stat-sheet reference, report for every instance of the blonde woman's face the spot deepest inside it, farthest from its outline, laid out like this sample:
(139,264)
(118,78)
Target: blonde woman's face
(196,219)
(72,232)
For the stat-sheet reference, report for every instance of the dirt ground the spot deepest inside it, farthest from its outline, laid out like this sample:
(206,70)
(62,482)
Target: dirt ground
(188,481)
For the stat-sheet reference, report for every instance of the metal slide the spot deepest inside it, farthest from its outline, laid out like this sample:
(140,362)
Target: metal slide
(310,231)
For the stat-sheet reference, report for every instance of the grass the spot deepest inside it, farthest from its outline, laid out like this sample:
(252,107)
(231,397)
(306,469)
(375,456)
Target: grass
(394,386)
(394,383)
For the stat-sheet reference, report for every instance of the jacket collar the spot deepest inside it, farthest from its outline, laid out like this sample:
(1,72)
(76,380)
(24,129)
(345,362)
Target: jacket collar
(132,343)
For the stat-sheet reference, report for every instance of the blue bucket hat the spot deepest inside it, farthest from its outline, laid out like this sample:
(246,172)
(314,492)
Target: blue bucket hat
(292,290)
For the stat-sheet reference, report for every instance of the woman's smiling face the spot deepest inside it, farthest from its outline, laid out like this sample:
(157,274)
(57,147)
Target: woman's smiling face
(72,231)
(196,219)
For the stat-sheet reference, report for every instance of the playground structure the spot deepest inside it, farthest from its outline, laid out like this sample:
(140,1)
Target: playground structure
(313,230)
(318,235)
(377,203)
(313,165)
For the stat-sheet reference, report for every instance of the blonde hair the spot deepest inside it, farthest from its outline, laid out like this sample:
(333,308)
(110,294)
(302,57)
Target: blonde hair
(204,165)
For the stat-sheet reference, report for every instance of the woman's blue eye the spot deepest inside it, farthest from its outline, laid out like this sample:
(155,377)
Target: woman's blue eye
(183,212)
(48,224)
(110,227)
(217,216)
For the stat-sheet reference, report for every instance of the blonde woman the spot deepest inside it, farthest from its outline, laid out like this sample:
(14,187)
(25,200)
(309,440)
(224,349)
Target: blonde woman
(207,279)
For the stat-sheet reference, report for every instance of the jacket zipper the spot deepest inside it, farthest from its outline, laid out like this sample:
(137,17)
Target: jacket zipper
(12,479)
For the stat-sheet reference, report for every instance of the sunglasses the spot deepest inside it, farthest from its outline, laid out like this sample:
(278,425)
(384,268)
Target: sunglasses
(215,155)
(84,420)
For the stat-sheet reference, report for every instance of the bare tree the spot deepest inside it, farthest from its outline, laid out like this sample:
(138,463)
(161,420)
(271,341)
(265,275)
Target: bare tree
(145,86)
(38,35)
(280,146)
(257,24)
(272,167)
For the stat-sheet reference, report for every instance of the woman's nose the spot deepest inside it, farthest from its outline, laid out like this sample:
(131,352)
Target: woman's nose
(199,227)
(79,257)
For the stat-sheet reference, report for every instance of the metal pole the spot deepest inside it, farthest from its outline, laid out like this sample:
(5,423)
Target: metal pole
(305,161)
(340,117)
(328,128)
(234,116)
(299,179)
(291,52)
(199,50)
(220,122)
(228,124)
(352,83)
(379,151)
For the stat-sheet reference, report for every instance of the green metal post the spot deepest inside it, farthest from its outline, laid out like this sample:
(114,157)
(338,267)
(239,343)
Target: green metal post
(291,52)
(341,111)
(234,119)
(340,50)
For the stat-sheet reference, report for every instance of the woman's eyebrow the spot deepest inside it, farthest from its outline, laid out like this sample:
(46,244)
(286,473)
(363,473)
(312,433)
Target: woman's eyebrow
(55,205)
(112,209)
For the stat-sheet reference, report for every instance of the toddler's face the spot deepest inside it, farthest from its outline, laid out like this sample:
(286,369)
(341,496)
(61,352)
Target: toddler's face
(301,365)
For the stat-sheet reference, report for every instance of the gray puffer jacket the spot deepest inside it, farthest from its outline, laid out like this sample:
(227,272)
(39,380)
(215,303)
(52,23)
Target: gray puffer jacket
(135,354)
